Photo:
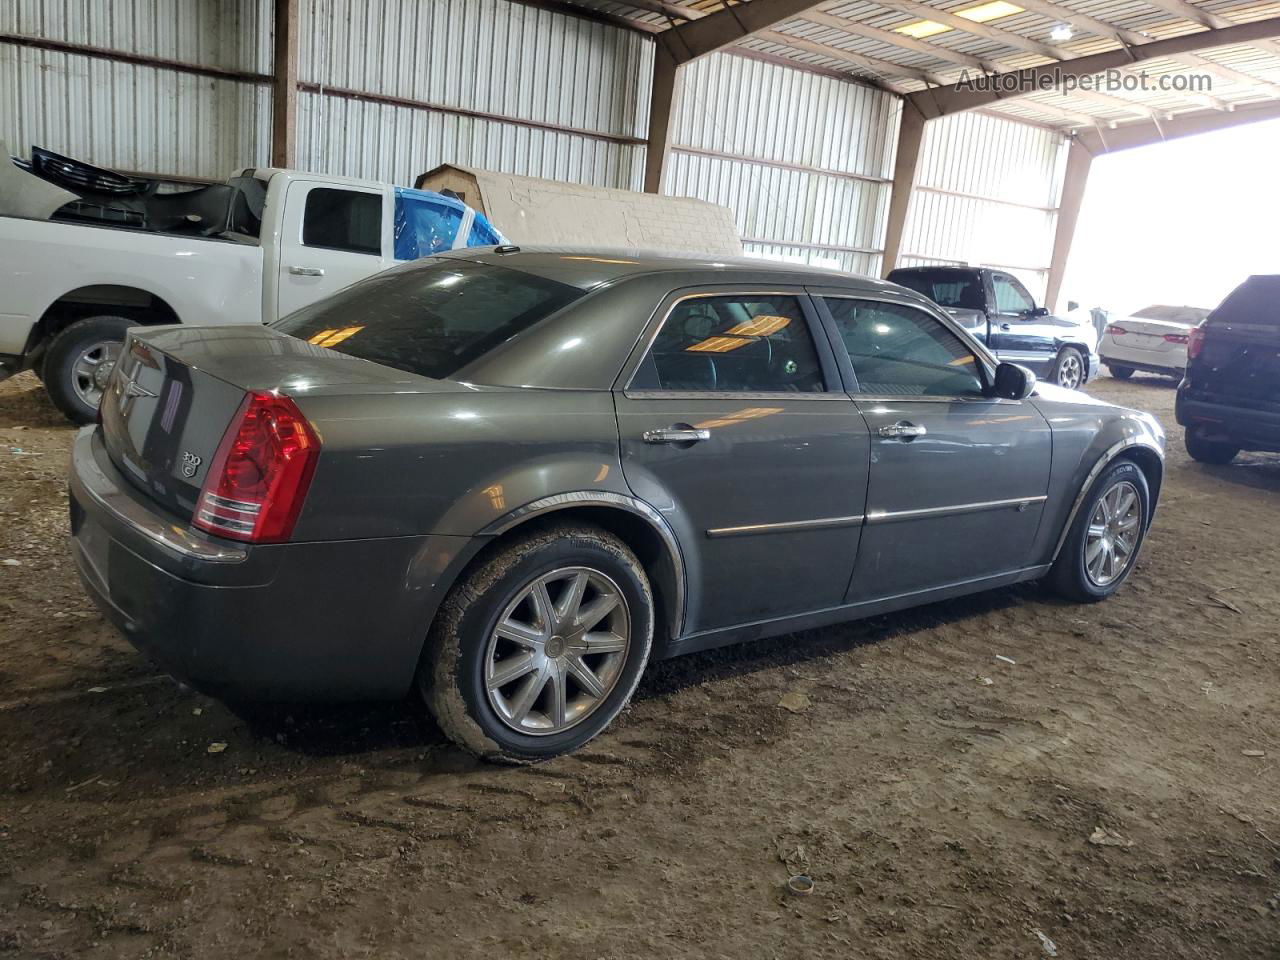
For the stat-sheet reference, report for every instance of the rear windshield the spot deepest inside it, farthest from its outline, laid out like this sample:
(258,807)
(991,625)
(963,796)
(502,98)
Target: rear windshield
(947,288)
(1257,300)
(430,318)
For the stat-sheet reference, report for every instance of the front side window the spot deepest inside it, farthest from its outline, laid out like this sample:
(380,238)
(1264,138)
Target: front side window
(898,350)
(742,343)
(1010,295)
(433,318)
(343,220)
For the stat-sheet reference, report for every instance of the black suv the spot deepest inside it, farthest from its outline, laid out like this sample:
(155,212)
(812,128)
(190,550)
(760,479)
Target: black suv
(1230,398)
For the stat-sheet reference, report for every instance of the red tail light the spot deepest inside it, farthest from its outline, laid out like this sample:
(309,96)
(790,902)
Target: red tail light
(259,477)
(1116,330)
(1177,337)
(1195,342)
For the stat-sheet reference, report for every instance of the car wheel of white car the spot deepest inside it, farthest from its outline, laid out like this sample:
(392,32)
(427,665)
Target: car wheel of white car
(536,650)
(79,362)
(1119,372)
(1069,370)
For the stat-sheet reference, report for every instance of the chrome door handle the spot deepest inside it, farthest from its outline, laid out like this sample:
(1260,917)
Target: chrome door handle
(676,435)
(307,271)
(902,430)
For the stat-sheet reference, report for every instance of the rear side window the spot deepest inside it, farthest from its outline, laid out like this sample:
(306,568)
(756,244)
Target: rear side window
(433,318)
(897,350)
(424,227)
(343,220)
(948,288)
(737,343)
(482,234)
(1257,300)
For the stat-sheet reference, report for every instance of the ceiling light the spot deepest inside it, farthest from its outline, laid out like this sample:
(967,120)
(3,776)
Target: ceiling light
(922,29)
(985,12)
(1061,33)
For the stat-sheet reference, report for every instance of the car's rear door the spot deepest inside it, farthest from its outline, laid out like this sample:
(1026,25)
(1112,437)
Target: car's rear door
(735,425)
(958,479)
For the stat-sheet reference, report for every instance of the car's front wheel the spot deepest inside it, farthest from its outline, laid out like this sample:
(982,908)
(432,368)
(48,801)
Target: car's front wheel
(1106,534)
(1069,371)
(540,646)
(1209,451)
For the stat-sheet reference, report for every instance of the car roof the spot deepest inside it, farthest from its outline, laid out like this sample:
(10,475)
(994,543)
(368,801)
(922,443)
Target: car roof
(588,267)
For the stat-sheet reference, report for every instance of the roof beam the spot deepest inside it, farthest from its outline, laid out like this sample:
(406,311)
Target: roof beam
(884,69)
(1132,135)
(942,101)
(902,41)
(725,27)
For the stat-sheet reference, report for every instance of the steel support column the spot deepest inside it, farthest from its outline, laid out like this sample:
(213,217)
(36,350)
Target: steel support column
(910,137)
(662,102)
(284,85)
(1073,185)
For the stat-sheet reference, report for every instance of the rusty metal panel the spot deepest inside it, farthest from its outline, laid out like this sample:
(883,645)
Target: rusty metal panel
(131,117)
(802,160)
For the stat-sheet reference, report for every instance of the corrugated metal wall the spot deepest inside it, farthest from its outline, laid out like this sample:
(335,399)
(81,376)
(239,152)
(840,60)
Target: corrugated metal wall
(986,194)
(579,89)
(803,160)
(132,116)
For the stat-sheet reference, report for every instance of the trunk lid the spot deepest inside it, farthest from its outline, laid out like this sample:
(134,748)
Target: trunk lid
(176,390)
(1144,334)
(1239,359)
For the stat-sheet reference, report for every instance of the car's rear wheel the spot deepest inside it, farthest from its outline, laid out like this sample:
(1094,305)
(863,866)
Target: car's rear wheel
(540,646)
(79,362)
(1105,537)
(1209,451)
(1069,371)
(1119,372)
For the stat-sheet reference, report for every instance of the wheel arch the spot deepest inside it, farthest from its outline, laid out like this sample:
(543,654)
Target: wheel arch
(642,528)
(133,302)
(1144,454)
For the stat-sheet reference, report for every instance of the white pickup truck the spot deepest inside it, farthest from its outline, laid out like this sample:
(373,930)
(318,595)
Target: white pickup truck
(86,253)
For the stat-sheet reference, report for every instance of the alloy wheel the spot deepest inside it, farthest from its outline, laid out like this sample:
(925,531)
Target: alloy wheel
(558,651)
(1070,370)
(1112,537)
(92,369)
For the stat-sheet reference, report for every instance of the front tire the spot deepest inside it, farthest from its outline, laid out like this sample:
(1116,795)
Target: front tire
(78,363)
(1209,451)
(539,647)
(1069,370)
(1106,535)
(1119,372)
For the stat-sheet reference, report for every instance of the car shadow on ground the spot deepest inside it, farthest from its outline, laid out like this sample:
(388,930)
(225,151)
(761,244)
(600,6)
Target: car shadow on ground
(1261,471)
(322,730)
(27,405)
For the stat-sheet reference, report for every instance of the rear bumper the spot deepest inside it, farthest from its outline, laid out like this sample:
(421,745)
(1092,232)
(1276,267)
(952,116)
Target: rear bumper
(1245,428)
(1154,361)
(335,620)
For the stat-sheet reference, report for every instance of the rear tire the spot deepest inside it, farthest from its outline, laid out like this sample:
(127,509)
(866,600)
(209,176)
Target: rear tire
(1099,530)
(1119,372)
(1209,451)
(79,362)
(1070,369)
(516,615)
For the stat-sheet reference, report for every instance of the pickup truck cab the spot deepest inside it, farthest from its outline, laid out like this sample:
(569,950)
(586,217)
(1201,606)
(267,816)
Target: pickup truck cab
(86,253)
(997,309)
(1229,399)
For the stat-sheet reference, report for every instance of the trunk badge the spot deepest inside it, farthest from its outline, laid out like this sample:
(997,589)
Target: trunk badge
(190,464)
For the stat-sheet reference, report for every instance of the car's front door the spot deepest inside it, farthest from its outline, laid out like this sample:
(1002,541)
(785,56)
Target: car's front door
(958,479)
(330,238)
(735,425)
(1017,334)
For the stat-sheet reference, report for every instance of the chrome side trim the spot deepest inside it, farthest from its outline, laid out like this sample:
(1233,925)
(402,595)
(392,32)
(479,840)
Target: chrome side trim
(729,395)
(91,482)
(563,501)
(889,516)
(786,527)
(1104,461)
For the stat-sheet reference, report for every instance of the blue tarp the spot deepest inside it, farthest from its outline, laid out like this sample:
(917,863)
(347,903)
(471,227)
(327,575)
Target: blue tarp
(428,223)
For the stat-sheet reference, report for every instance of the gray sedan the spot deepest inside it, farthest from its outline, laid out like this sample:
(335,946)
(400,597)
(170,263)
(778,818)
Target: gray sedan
(510,478)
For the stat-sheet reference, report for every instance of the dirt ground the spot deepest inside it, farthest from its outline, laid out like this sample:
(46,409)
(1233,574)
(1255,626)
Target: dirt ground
(942,798)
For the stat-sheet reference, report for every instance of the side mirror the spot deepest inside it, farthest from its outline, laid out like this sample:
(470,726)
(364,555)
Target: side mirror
(1038,312)
(1072,305)
(1013,382)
